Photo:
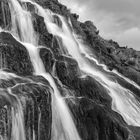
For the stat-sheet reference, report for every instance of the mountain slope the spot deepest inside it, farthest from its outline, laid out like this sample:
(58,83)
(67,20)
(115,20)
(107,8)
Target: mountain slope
(86,96)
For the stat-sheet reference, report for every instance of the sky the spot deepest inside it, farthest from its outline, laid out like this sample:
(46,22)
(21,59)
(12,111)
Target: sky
(116,19)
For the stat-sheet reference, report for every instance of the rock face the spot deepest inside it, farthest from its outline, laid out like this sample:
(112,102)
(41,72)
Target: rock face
(14,56)
(125,60)
(108,52)
(36,101)
(5,17)
(91,106)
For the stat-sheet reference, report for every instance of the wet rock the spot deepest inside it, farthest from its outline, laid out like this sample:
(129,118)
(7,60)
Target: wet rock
(37,110)
(102,124)
(67,70)
(35,100)
(48,59)
(5,16)
(14,56)
(97,122)
(69,74)
(57,21)
(92,109)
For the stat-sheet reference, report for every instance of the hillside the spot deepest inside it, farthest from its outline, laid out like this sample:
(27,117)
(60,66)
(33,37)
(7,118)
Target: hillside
(42,57)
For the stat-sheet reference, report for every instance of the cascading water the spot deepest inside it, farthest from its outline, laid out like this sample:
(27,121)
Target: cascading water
(84,50)
(18,130)
(15,116)
(63,127)
(21,23)
(123,100)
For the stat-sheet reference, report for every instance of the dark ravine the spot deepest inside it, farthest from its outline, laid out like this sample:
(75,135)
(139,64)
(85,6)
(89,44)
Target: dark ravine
(88,101)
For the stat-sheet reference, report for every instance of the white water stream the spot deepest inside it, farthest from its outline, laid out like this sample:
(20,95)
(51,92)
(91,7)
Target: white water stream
(123,100)
(63,126)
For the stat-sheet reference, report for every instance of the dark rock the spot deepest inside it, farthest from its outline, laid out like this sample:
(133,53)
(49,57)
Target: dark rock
(97,122)
(54,6)
(57,20)
(37,111)
(5,16)
(92,111)
(69,74)
(14,55)
(67,70)
(48,59)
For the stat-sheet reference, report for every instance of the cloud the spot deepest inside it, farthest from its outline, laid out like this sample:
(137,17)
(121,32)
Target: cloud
(113,18)
(131,36)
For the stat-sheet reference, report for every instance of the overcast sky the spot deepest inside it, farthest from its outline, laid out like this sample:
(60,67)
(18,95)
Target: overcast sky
(116,19)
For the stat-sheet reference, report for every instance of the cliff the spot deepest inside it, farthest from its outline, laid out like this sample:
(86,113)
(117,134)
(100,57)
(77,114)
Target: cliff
(91,106)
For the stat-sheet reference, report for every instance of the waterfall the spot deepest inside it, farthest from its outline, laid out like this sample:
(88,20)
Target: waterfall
(123,100)
(18,130)
(89,56)
(63,127)
(15,116)
(21,23)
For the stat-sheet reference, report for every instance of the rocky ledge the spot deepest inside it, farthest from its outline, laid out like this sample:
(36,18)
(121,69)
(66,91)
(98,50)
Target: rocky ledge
(88,100)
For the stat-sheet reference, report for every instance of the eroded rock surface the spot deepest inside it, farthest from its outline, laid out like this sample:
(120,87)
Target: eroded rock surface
(88,99)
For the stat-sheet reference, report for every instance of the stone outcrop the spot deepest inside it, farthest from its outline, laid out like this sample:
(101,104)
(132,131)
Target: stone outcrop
(91,106)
